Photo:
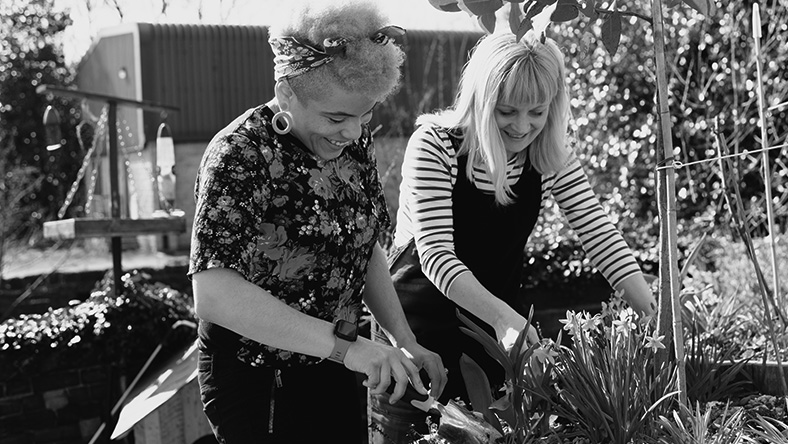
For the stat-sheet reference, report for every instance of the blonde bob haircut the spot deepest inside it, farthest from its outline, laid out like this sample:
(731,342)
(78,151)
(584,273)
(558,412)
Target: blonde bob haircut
(365,67)
(501,69)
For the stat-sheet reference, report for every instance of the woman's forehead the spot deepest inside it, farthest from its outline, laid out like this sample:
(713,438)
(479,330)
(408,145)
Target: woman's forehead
(343,103)
(523,104)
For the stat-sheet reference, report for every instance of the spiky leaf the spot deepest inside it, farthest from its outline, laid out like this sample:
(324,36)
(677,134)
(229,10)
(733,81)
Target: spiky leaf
(478,387)
(492,346)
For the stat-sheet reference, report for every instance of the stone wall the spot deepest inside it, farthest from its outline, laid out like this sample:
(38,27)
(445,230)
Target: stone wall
(61,406)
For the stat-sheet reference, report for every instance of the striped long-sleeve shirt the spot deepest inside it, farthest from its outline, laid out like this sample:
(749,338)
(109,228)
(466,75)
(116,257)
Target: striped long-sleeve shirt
(429,171)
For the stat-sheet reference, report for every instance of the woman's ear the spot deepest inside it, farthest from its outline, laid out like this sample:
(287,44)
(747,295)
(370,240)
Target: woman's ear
(284,93)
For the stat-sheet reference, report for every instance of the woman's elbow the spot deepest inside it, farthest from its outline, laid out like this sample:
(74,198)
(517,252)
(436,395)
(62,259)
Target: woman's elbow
(203,288)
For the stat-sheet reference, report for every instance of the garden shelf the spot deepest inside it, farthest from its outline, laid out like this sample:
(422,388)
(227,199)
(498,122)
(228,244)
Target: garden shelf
(83,228)
(115,227)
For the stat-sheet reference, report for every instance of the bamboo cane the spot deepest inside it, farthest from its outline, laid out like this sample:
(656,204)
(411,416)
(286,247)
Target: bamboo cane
(767,176)
(734,201)
(669,317)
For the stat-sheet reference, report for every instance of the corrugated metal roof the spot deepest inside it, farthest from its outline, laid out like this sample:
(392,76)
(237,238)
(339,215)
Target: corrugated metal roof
(215,72)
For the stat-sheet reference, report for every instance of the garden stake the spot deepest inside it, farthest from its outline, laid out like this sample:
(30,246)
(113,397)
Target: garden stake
(767,176)
(740,222)
(669,313)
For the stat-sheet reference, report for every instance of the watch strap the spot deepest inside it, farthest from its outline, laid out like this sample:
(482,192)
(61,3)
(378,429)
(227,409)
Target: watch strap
(339,351)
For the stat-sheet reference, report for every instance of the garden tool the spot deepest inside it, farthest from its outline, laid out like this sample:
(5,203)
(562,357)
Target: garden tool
(427,403)
(423,402)
(456,422)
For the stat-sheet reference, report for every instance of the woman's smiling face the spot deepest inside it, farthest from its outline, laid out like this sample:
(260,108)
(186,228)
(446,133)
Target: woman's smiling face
(329,124)
(520,123)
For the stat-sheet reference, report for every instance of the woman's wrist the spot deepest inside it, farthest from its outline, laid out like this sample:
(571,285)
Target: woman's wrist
(404,339)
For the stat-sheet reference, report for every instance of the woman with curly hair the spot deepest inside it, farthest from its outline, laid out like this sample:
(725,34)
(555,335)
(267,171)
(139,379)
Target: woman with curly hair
(284,246)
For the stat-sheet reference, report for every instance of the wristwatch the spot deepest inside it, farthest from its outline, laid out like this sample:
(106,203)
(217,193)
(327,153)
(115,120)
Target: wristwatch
(346,333)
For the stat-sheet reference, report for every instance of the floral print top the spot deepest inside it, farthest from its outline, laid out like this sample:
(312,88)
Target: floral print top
(298,226)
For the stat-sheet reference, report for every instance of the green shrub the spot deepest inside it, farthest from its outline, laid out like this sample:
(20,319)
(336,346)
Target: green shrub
(104,329)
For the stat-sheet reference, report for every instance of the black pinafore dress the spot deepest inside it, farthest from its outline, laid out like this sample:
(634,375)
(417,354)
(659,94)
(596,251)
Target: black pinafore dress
(490,240)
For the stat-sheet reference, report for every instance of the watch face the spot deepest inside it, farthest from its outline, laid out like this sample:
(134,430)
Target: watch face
(346,330)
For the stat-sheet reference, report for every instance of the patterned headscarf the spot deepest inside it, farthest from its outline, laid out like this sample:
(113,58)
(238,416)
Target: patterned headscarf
(293,58)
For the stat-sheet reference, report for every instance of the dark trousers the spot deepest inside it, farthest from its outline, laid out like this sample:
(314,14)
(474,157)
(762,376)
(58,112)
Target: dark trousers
(312,404)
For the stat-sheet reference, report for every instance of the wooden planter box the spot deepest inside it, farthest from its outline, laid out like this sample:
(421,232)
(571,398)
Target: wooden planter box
(166,408)
(766,376)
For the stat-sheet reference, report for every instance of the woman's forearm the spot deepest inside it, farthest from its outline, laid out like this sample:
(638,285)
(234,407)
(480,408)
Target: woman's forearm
(224,297)
(467,292)
(638,294)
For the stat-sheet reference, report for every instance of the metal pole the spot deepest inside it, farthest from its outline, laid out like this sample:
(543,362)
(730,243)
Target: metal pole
(112,133)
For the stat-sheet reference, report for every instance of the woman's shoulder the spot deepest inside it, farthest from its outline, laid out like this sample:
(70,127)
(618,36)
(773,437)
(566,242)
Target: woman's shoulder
(436,130)
(242,141)
(434,137)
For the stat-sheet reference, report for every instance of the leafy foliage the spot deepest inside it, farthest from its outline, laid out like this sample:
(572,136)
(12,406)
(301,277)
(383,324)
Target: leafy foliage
(721,297)
(528,369)
(103,329)
(693,425)
(610,384)
(607,387)
(710,73)
(31,55)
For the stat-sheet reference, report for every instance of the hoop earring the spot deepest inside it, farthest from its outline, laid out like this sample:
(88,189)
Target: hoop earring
(283,118)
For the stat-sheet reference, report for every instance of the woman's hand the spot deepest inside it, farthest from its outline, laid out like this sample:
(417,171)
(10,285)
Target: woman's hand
(638,294)
(431,362)
(508,329)
(380,363)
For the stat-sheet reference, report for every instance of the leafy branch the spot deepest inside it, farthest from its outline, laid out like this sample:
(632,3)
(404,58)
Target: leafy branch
(525,15)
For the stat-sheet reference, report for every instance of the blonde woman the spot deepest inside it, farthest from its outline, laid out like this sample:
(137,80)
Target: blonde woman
(474,179)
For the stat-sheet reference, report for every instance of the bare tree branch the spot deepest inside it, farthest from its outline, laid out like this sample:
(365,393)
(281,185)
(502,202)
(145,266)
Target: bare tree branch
(224,13)
(116,5)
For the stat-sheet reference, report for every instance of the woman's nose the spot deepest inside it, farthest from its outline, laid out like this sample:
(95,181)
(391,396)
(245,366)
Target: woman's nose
(522,124)
(352,129)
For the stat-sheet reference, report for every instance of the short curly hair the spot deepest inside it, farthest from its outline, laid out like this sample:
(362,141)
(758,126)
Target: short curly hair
(365,67)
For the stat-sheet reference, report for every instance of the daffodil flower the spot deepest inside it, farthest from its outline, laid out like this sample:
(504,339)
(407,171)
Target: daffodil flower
(655,342)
